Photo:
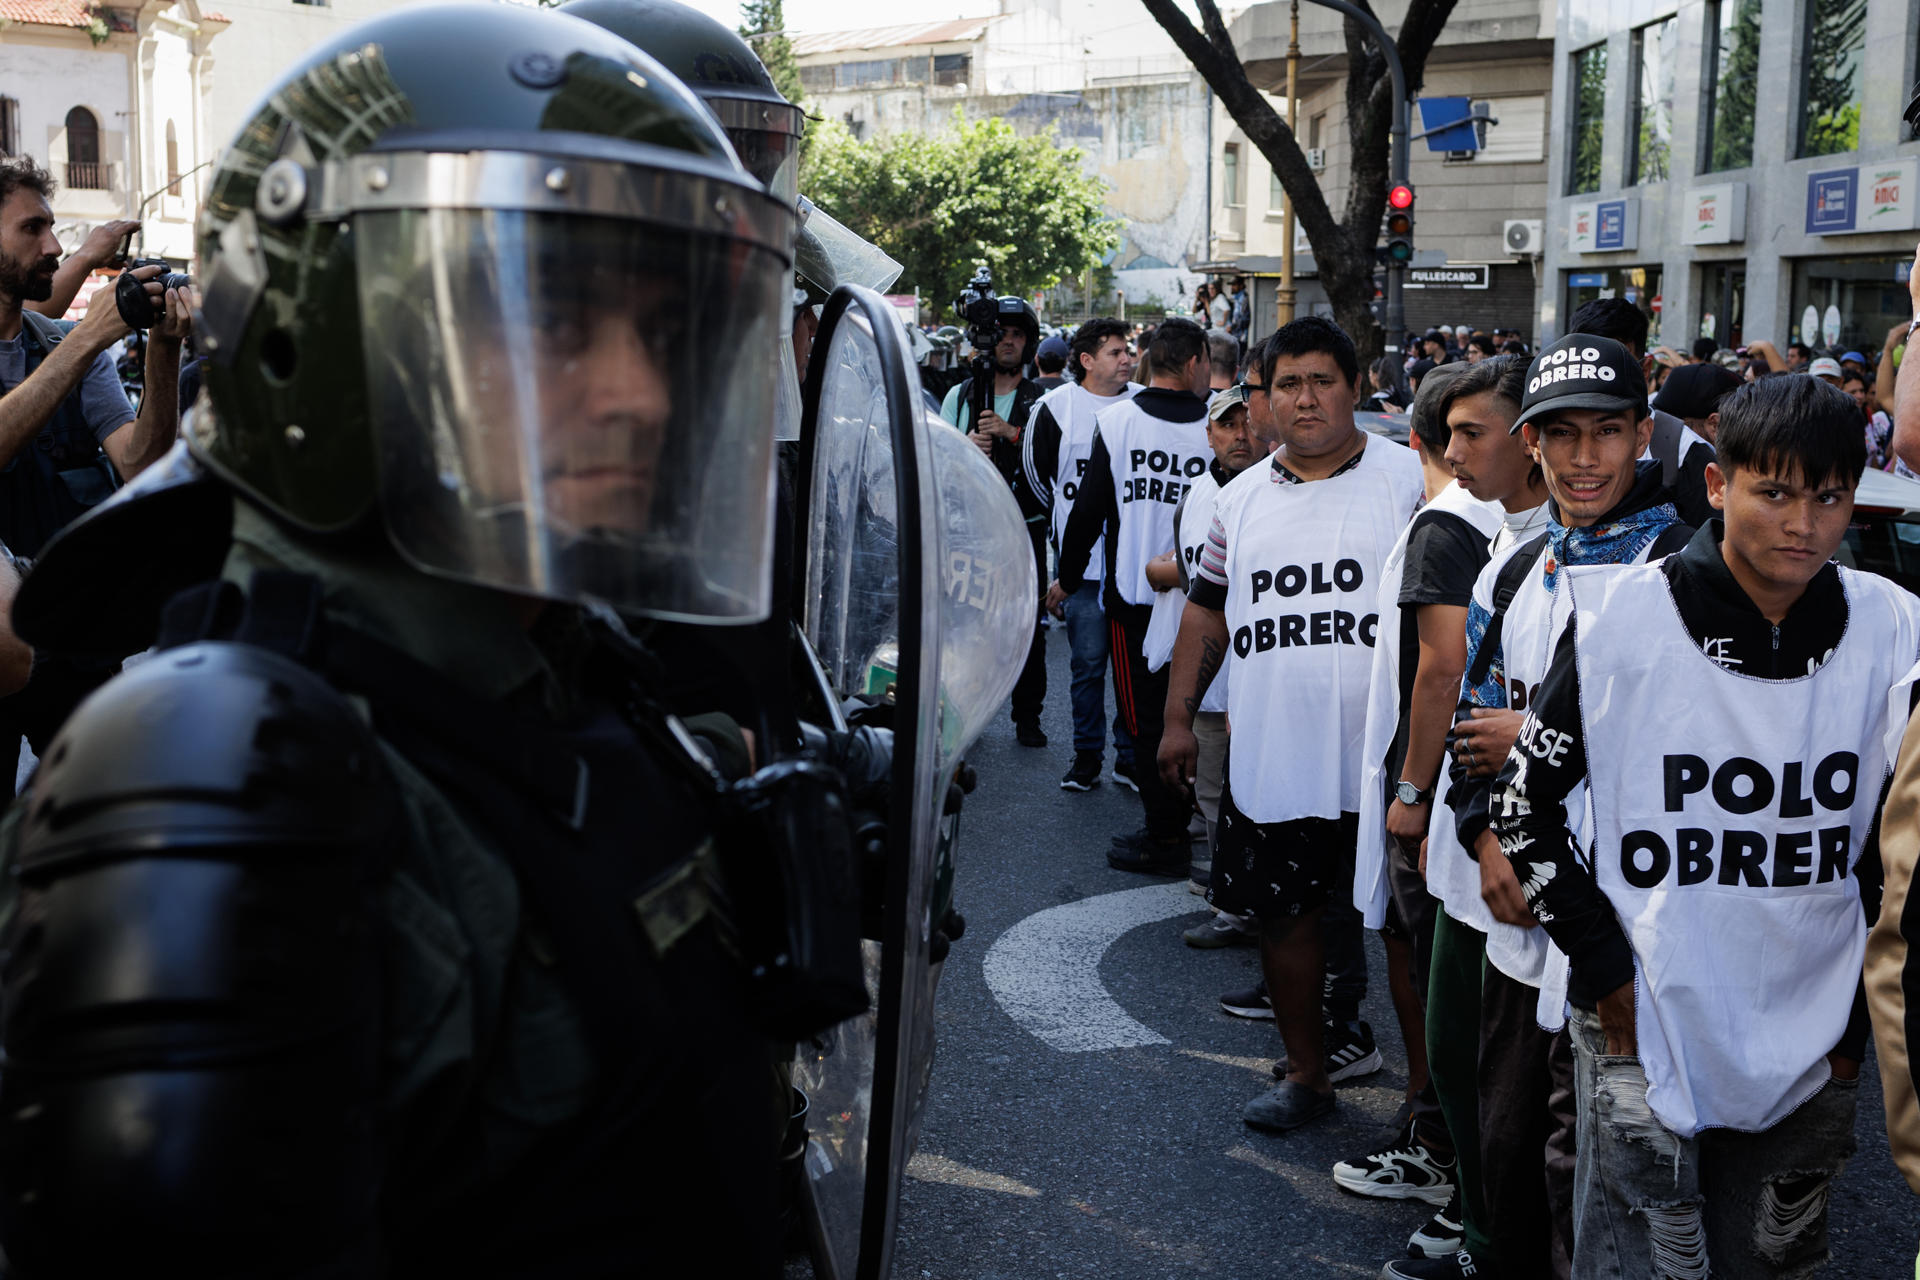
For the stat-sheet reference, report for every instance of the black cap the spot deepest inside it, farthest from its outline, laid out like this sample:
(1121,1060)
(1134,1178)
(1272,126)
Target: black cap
(1583,371)
(1695,390)
(1433,335)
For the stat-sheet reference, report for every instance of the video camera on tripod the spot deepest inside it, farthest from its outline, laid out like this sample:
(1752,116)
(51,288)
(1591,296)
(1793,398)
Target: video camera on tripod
(988,316)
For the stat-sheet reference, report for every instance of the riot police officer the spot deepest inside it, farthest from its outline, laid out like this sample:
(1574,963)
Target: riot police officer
(384,921)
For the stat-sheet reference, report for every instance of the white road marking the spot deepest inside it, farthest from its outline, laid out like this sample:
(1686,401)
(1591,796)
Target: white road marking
(926,1167)
(1262,1067)
(1045,971)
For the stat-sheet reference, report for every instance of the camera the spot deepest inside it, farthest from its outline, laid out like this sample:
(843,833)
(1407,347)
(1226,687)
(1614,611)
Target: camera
(130,294)
(978,306)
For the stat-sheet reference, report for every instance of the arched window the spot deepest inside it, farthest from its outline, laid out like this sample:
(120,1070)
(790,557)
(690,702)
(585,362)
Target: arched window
(84,170)
(173,161)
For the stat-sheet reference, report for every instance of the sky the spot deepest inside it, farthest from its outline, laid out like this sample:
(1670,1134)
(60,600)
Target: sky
(847,15)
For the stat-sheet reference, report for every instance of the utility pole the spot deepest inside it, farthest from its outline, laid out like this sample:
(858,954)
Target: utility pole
(1283,300)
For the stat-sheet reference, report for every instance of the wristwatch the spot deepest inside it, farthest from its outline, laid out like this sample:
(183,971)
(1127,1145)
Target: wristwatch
(1408,794)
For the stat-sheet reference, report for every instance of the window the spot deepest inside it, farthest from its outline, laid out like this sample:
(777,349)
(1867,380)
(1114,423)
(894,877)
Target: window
(952,68)
(1230,174)
(816,79)
(1650,139)
(84,170)
(1732,76)
(173,161)
(9,127)
(1588,117)
(318,4)
(1835,45)
(1276,193)
(1314,126)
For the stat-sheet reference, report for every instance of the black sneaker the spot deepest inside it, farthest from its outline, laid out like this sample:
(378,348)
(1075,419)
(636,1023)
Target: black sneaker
(1351,1051)
(1251,1003)
(1123,774)
(1085,774)
(1028,734)
(1442,1235)
(1220,931)
(1142,853)
(1455,1266)
(1405,1171)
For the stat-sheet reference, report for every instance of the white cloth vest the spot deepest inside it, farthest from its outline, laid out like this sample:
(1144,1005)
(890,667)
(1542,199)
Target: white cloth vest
(1728,813)
(1196,521)
(1153,462)
(1303,567)
(1375,846)
(1073,408)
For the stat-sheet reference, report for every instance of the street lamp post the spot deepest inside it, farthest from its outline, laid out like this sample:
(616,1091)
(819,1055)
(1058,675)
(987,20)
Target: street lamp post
(1283,303)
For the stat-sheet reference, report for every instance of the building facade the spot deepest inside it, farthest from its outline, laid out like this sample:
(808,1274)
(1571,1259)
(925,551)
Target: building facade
(1738,169)
(1140,117)
(1469,271)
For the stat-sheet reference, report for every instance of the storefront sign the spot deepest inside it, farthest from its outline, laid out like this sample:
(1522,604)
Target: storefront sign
(1716,214)
(1830,325)
(1604,226)
(1810,325)
(1872,197)
(1455,275)
(1587,280)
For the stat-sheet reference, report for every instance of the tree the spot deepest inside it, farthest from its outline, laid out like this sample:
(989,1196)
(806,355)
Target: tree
(941,204)
(1343,250)
(764,26)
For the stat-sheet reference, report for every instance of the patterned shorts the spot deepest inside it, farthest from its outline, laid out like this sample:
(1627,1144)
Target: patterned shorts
(1277,870)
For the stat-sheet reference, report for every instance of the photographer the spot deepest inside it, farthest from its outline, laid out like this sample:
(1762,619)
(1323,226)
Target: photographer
(68,434)
(1004,332)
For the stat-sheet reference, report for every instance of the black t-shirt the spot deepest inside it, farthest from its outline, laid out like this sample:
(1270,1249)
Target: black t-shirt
(1444,557)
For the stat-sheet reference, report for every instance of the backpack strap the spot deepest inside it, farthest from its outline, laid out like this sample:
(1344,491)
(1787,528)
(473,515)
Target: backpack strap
(1505,587)
(1666,447)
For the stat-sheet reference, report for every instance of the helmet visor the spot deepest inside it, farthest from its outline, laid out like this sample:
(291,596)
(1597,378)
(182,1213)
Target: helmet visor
(772,157)
(558,408)
(826,253)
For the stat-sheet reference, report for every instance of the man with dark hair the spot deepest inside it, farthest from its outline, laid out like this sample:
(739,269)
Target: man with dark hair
(1585,416)
(1703,349)
(1741,701)
(1417,663)
(1051,361)
(1683,454)
(1146,451)
(1286,578)
(1240,321)
(1692,393)
(1224,354)
(1054,455)
(1799,356)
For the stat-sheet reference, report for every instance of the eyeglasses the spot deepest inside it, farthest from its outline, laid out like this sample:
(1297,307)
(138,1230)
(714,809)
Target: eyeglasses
(1251,387)
(1287,388)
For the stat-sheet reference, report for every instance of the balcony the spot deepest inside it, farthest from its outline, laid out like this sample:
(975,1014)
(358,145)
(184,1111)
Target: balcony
(89,175)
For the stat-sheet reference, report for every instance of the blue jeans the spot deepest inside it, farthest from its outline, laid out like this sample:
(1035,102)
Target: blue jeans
(1650,1204)
(1087,637)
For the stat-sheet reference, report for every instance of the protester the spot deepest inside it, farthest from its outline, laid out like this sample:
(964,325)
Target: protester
(1693,394)
(1317,520)
(1054,456)
(1682,453)
(1223,354)
(1145,452)
(1715,943)
(1051,361)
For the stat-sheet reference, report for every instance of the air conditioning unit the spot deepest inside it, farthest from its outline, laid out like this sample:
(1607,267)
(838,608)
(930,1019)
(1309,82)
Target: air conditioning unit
(1525,237)
(1316,158)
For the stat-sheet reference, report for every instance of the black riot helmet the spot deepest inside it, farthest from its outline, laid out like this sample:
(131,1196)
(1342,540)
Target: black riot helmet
(477,271)
(723,69)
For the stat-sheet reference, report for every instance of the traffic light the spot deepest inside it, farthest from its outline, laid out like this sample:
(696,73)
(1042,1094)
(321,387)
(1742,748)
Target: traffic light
(1398,251)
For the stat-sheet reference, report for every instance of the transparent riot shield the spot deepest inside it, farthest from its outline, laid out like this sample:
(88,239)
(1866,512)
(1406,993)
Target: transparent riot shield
(920,598)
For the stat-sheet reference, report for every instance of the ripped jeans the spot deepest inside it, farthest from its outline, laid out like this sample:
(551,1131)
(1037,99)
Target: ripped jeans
(1650,1205)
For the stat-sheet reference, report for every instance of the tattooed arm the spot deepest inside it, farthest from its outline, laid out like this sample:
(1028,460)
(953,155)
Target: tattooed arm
(1197,654)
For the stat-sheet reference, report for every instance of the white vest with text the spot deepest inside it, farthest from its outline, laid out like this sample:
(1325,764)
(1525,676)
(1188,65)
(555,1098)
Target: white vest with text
(1303,567)
(1153,462)
(1728,814)
(1196,521)
(1073,408)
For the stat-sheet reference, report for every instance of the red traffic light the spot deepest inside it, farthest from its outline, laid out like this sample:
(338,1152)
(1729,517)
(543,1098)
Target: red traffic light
(1401,197)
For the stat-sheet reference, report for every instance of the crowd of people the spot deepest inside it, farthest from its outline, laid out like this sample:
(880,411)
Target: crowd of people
(1567,699)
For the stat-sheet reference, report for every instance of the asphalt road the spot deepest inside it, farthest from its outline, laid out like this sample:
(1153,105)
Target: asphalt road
(1133,1162)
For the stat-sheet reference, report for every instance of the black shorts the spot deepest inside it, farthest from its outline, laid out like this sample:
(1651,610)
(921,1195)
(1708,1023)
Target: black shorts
(1278,870)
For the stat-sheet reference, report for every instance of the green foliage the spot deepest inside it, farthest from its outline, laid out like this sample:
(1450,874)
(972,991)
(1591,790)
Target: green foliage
(758,18)
(943,204)
(1836,45)
(1589,109)
(1734,88)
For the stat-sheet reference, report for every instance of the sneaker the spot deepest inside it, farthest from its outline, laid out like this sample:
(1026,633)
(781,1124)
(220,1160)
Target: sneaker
(1220,931)
(1028,734)
(1197,829)
(1085,774)
(1442,1235)
(1251,1003)
(1454,1266)
(1406,1171)
(1351,1051)
(1123,774)
(1142,853)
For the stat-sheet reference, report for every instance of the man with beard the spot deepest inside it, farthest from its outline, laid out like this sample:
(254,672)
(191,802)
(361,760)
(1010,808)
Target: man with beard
(63,407)
(998,434)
